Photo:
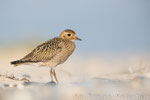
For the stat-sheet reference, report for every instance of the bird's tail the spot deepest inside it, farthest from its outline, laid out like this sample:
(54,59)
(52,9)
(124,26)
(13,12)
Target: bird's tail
(22,61)
(17,62)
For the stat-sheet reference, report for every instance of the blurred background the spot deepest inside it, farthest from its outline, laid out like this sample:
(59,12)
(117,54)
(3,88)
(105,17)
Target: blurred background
(115,33)
(113,59)
(104,25)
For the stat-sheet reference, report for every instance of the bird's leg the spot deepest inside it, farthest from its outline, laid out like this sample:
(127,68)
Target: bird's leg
(54,73)
(51,74)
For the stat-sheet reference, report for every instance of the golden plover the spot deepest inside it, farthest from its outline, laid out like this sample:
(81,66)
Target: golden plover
(52,52)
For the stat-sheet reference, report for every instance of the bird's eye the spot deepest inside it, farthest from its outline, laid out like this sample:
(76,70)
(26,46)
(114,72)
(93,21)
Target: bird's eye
(68,34)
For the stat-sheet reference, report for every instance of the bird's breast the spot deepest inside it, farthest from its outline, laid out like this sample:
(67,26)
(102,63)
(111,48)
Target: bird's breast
(63,55)
(66,52)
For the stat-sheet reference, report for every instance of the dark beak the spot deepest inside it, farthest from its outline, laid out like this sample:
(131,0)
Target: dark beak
(78,39)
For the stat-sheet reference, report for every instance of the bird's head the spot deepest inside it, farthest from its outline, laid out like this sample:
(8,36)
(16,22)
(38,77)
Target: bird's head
(69,34)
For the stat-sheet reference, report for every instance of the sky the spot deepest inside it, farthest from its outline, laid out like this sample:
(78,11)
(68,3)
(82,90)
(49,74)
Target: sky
(104,25)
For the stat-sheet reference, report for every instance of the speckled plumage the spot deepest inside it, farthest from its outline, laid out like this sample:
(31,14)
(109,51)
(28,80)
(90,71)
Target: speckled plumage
(56,49)
(52,52)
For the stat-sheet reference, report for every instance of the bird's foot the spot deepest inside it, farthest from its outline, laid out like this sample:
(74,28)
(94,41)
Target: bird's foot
(51,83)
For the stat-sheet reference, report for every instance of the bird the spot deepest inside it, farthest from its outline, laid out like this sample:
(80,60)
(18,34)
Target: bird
(52,52)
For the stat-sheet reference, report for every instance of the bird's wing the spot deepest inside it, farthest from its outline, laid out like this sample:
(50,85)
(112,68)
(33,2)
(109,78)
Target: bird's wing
(45,51)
